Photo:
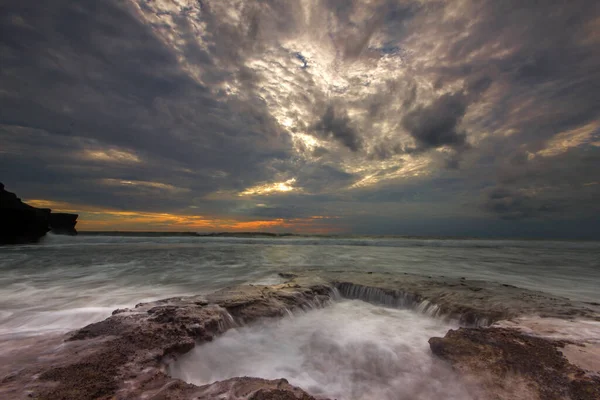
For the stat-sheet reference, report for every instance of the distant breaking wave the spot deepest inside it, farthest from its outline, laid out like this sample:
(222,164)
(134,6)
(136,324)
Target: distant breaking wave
(97,238)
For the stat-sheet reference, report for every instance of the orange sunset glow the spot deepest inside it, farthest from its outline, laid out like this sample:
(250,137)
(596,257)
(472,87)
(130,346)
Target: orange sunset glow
(371,117)
(300,199)
(97,219)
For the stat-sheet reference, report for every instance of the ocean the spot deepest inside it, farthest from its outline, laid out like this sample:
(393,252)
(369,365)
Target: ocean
(64,283)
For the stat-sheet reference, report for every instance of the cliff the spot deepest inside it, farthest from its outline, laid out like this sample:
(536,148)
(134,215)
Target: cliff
(63,223)
(22,223)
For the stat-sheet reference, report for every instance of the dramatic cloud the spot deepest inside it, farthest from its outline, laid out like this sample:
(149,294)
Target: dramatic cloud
(514,205)
(338,127)
(391,116)
(435,125)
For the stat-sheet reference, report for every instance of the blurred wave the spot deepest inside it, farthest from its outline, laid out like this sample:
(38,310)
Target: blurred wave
(65,282)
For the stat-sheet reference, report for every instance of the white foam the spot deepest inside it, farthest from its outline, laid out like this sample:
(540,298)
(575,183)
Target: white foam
(39,323)
(351,350)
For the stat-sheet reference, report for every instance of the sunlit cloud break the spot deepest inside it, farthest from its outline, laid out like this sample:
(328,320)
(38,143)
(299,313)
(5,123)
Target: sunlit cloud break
(394,116)
(271,188)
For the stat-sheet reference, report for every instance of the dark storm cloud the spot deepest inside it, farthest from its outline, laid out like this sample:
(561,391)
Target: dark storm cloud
(508,204)
(323,178)
(549,64)
(336,124)
(95,76)
(565,185)
(535,68)
(37,161)
(95,93)
(385,150)
(435,125)
(280,211)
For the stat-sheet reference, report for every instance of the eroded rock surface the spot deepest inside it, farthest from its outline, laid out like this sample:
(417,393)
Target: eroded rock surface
(125,356)
(529,352)
(252,389)
(471,302)
(507,364)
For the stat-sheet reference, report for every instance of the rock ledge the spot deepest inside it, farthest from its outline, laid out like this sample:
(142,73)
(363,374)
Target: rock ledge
(22,223)
(126,355)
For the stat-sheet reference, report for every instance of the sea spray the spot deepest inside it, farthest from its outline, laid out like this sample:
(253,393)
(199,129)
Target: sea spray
(84,278)
(349,350)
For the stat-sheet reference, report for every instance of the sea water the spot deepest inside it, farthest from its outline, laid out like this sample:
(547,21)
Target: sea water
(350,350)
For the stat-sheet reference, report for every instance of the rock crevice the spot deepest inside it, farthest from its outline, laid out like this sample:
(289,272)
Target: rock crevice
(126,355)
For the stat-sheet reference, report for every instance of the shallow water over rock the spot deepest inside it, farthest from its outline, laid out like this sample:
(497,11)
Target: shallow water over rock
(366,351)
(66,282)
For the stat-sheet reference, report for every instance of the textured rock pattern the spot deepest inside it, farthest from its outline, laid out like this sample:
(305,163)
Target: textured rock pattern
(510,365)
(471,302)
(125,356)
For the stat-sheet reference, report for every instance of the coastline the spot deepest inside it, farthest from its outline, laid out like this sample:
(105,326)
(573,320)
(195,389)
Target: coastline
(127,355)
(283,235)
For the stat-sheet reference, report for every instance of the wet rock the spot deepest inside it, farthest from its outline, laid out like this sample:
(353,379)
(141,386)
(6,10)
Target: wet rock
(471,302)
(253,389)
(125,356)
(507,364)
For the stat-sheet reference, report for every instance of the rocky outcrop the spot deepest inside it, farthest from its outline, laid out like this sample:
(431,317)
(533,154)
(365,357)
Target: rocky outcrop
(22,223)
(470,302)
(252,389)
(507,364)
(514,344)
(127,355)
(63,223)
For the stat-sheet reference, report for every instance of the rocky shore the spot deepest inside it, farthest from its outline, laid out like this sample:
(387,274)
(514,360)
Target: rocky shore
(513,365)
(22,223)
(498,352)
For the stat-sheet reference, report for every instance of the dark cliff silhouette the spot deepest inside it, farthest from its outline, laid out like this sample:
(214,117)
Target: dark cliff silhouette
(22,223)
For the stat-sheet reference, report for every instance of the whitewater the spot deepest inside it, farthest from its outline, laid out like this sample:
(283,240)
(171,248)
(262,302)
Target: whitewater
(348,350)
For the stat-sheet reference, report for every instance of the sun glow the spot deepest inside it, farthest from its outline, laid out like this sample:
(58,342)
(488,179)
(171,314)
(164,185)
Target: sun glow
(562,142)
(93,218)
(111,155)
(144,184)
(271,188)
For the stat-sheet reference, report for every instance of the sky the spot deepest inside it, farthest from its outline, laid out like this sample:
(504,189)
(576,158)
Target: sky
(407,117)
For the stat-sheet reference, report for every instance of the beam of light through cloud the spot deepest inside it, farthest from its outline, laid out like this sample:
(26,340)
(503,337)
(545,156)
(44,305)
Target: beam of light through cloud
(269,188)
(484,110)
(111,155)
